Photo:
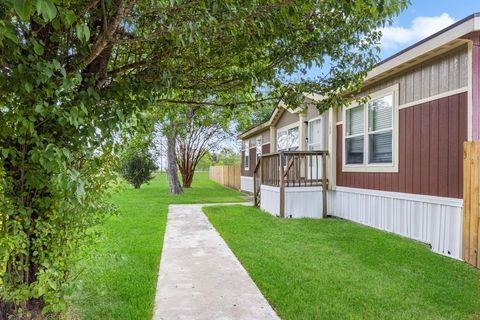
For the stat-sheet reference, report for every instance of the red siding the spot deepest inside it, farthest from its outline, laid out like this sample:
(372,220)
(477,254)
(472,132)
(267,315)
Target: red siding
(266,148)
(431,136)
(253,162)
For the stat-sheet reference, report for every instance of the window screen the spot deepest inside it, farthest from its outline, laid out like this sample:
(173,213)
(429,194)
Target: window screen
(354,135)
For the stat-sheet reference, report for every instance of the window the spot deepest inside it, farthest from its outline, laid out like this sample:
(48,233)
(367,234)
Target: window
(259,147)
(354,135)
(246,157)
(315,138)
(380,130)
(369,130)
(287,139)
(315,134)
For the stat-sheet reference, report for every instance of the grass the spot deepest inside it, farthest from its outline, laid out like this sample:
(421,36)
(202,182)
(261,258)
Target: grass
(120,282)
(334,269)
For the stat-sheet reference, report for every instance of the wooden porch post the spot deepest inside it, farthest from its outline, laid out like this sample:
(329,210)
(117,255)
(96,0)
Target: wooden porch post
(255,188)
(282,186)
(324,184)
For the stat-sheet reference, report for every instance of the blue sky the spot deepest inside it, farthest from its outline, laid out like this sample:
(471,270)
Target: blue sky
(421,19)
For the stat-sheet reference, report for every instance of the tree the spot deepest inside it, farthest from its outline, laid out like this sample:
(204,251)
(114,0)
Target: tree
(138,169)
(205,163)
(226,157)
(137,165)
(73,73)
(204,130)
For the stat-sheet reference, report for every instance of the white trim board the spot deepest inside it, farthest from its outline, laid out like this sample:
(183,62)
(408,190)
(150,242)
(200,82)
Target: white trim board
(435,97)
(293,189)
(288,126)
(453,202)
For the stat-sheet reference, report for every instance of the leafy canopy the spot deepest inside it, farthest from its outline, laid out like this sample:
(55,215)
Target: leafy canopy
(73,73)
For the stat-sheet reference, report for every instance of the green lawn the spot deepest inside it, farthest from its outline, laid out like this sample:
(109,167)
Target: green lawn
(334,269)
(120,282)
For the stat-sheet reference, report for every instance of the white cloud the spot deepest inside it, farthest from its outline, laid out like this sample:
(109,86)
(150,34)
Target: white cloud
(422,27)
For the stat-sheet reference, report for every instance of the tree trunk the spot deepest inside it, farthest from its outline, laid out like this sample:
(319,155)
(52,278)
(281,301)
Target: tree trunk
(173,182)
(187,178)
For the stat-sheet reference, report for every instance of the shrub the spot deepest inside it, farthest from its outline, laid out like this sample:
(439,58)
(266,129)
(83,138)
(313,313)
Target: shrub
(138,168)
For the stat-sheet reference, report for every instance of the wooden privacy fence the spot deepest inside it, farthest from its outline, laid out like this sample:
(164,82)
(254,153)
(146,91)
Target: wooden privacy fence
(471,203)
(228,176)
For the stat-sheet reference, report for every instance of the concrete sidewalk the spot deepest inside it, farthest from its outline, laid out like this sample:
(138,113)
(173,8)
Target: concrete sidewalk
(200,278)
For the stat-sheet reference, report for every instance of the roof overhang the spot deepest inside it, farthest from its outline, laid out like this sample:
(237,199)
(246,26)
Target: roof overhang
(276,115)
(434,45)
(426,49)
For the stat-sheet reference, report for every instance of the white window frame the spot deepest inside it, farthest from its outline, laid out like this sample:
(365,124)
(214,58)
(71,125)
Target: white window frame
(374,167)
(258,146)
(246,155)
(286,128)
(308,133)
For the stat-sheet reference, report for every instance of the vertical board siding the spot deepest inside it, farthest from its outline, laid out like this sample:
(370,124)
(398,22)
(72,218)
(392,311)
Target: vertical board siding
(471,203)
(443,147)
(448,72)
(266,148)
(253,161)
(433,148)
(417,148)
(430,151)
(425,152)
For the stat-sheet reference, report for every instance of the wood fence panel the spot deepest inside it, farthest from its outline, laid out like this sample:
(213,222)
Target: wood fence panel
(471,203)
(228,176)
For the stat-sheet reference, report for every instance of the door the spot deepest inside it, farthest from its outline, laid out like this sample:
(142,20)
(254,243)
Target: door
(315,142)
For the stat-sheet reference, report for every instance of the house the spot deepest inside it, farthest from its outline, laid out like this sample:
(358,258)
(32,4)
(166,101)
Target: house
(394,163)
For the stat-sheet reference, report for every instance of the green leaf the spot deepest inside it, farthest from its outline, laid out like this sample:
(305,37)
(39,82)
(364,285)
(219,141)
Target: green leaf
(46,9)
(68,17)
(28,87)
(7,33)
(39,108)
(38,48)
(23,8)
(83,32)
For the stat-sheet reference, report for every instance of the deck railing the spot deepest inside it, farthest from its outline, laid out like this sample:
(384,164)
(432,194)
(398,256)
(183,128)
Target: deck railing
(294,169)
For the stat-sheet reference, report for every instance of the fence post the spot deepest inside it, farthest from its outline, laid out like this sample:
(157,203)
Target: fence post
(471,203)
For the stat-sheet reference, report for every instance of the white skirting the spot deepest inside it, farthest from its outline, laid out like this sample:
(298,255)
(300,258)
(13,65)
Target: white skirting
(300,202)
(433,220)
(246,184)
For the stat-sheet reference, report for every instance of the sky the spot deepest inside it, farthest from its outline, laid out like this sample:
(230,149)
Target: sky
(421,19)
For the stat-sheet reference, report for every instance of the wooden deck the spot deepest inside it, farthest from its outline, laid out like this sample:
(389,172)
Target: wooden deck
(287,169)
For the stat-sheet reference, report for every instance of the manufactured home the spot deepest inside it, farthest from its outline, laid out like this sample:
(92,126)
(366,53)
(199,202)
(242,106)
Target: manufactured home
(394,163)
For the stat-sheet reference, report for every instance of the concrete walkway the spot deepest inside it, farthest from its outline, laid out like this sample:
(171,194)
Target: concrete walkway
(200,278)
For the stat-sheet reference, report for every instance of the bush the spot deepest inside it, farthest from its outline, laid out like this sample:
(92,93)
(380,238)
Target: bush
(138,168)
